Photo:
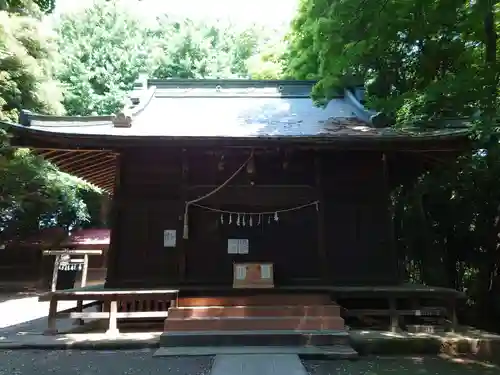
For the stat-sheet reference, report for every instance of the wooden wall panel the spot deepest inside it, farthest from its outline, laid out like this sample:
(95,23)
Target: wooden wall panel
(358,224)
(356,233)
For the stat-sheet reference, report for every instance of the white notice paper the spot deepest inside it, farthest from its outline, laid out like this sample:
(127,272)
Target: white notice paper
(243,246)
(241,272)
(169,237)
(265,271)
(232,246)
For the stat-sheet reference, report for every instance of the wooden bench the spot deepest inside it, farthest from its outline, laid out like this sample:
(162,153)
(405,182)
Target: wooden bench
(397,315)
(413,294)
(109,299)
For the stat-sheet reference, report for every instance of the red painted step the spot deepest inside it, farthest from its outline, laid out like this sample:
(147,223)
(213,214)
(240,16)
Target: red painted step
(257,300)
(255,324)
(203,312)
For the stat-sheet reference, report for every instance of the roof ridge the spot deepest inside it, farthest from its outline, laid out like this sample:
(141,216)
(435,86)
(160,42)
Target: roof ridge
(26,116)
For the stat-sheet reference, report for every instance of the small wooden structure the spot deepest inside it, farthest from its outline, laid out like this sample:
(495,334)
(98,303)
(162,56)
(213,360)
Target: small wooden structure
(67,256)
(91,239)
(206,174)
(253,275)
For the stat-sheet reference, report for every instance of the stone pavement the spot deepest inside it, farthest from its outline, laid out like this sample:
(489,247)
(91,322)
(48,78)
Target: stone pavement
(258,364)
(99,362)
(25,315)
(23,321)
(81,341)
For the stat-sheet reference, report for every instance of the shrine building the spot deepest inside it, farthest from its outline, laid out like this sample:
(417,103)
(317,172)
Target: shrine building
(210,178)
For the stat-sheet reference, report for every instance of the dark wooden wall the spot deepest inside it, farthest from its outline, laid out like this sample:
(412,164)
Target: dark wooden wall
(358,235)
(346,243)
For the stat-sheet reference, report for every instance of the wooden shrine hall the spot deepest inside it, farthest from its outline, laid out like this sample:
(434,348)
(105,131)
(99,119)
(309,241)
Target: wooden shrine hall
(244,192)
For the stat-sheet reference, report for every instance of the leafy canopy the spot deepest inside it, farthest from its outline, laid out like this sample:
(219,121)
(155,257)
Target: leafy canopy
(420,61)
(26,55)
(33,193)
(104,49)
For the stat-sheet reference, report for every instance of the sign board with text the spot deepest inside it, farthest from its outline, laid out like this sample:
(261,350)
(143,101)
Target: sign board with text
(237,246)
(169,238)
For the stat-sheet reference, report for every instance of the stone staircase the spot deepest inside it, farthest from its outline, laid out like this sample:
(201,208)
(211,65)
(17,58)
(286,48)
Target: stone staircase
(277,323)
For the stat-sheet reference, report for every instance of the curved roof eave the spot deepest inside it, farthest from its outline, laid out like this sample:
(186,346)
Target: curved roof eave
(238,112)
(100,141)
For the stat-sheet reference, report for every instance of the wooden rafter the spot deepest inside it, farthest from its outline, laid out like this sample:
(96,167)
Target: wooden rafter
(105,177)
(90,166)
(94,166)
(99,173)
(104,182)
(60,156)
(47,154)
(109,187)
(78,158)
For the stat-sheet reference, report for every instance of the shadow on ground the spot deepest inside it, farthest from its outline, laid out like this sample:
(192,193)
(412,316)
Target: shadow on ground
(418,365)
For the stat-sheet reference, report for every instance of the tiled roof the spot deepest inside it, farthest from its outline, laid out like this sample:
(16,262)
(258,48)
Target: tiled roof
(240,113)
(243,109)
(206,108)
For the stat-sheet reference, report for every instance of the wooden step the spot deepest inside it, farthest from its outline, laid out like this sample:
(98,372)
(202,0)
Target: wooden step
(257,300)
(202,312)
(249,324)
(298,338)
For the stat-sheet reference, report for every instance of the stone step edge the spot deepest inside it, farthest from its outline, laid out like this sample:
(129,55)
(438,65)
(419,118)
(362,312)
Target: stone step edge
(254,307)
(325,332)
(338,351)
(257,318)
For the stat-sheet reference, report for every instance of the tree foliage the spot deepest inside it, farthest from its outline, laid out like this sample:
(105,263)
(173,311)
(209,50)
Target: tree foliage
(420,60)
(33,193)
(269,62)
(423,62)
(31,7)
(95,58)
(26,54)
(104,49)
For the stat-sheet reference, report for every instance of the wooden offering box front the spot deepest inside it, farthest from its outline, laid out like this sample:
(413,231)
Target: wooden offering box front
(253,275)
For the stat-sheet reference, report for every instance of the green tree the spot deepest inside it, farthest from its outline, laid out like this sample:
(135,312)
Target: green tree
(31,7)
(423,62)
(408,53)
(202,49)
(33,193)
(104,49)
(26,55)
(269,61)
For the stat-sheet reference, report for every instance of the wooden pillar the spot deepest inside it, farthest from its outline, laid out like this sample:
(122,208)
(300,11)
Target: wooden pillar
(55,273)
(182,246)
(390,219)
(452,311)
(85,270)
(394,317)
(51,319)
(115,221)
(104,212)
(324,268)
(113,323)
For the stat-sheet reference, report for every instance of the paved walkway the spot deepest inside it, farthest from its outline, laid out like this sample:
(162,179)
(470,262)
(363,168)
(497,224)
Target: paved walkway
(258,364)
(23,321)
(19,314)
(99,362)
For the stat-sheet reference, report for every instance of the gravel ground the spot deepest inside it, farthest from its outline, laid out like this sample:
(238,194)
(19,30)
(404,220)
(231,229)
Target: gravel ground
(66,362)
(398,365)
